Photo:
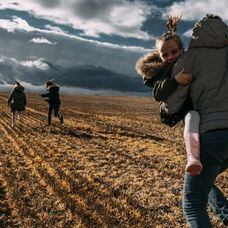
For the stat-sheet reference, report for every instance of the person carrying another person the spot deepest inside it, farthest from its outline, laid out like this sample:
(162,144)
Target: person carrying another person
(207,60)
(53,99)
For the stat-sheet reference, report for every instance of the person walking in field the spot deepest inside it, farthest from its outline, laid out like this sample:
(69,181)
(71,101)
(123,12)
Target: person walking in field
(17,102)
(53,99)
(207,60)
(157,68)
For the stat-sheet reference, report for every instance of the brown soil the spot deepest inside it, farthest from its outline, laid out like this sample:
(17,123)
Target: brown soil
(111,164)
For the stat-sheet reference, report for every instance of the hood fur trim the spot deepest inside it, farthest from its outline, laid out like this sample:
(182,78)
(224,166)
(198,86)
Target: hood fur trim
(149,65)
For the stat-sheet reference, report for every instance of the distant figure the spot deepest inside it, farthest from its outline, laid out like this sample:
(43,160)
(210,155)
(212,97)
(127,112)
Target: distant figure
(52,97)
(17,102)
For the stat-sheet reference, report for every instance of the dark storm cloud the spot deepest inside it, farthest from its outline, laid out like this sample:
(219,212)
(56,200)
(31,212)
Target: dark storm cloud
(90,9)
(93,18)
(68,51)
(84,76)
(49,3)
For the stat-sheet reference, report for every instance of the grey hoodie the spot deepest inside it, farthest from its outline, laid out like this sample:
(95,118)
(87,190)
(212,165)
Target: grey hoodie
(207,60)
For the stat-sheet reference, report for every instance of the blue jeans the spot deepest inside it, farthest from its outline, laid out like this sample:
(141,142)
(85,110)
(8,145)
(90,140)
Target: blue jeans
(200,190)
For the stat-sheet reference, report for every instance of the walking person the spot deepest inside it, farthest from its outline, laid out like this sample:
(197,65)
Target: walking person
(207,60)
(53,99)
(17,102)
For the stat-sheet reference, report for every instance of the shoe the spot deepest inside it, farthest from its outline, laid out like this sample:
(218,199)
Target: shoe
(61,119)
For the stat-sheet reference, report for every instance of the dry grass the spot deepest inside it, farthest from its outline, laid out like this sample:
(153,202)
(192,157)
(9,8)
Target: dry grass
(112,164)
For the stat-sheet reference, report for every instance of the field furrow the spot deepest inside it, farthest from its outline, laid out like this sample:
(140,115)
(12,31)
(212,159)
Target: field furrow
(111,164)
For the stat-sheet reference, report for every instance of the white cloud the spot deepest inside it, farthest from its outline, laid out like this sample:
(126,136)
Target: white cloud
(42,40)
(197,9)
(38,64)
(15,24)
(188,33)
(119,17)
(55,29)
(21,25)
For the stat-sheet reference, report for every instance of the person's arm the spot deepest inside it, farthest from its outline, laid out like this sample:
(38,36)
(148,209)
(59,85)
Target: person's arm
(45,95)
(183,77)
(25,100)
(164,88)
(10,98)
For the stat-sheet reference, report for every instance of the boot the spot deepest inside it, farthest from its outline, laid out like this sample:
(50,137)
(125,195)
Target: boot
(61,119)
(192,144)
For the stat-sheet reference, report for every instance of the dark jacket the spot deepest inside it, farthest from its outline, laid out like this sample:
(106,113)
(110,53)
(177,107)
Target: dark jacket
(157,75)
(17,99)
(52,96)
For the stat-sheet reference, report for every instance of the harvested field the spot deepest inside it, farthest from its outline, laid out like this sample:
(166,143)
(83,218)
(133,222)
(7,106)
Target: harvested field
(111,164)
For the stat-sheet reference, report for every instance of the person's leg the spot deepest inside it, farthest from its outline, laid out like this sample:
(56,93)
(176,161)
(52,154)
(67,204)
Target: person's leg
(56,113)
(196,190)
(218,201)
(13,115)
(192,143)
(50,108)
(214,152)
(20,115)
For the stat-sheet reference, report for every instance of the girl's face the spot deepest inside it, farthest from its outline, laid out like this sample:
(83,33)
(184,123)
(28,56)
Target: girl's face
(169,50)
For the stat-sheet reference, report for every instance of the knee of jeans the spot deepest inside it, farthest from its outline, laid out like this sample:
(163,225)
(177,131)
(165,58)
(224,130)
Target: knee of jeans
(194,200)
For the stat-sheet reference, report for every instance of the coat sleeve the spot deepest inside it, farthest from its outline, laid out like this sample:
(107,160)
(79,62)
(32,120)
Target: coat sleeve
(45,95)
(25,100)
(10,98)
(174,102)
(164,88)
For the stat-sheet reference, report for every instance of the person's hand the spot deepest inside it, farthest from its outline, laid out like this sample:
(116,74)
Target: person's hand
(183,78)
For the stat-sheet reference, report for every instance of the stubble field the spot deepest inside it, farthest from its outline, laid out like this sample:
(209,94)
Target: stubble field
(111,164)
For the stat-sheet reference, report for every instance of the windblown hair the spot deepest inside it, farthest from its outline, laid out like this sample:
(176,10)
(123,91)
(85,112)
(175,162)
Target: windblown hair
(172,23)
(49,83)
(150,64)
(171,33)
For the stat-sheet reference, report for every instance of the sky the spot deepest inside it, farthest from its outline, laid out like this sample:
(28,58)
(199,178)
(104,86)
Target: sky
(90,44)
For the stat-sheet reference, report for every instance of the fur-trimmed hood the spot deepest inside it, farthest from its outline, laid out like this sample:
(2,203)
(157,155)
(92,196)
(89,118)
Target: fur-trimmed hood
(151,68)
(149,65)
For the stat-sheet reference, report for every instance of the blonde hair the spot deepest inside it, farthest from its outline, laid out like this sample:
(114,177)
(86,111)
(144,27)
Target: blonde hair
(171,33)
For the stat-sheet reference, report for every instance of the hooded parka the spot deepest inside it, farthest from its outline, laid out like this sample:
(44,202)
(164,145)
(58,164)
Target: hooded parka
(17,99)
(207,61)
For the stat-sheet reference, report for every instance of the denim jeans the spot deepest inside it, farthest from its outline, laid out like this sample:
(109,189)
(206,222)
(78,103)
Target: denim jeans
(200,190)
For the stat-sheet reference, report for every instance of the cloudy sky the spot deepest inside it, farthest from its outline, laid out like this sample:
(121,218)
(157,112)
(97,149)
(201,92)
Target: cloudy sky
(88,43)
